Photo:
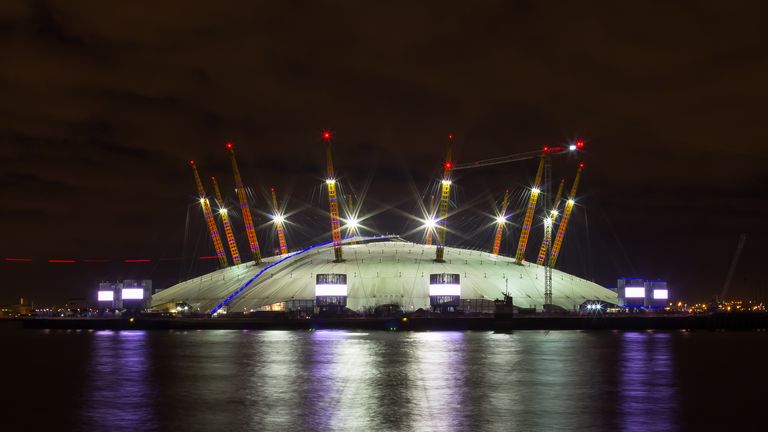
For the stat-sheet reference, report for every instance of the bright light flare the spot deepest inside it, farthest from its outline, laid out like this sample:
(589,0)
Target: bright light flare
(430,223)
(278,218)
(535,190)
(330,181)
(446,182)
(555,213)
(501,219)
(352,223)
(572,147)
(571,202)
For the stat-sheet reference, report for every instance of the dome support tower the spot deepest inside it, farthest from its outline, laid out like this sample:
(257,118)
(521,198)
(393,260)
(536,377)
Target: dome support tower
(212,228)
(445,196)
(333,202)
(225,221)
(253,242)
(500,223)
(566,215)
(279,223)
(528,220)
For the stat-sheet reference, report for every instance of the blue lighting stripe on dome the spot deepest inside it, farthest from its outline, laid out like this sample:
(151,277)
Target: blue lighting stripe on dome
(234,294)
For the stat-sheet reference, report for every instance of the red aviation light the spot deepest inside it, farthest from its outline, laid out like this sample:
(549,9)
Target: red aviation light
(448,165)
(191,162)
(581,165)
(579,144)
(326,135)
(546,148)
(229,146)
(450,136)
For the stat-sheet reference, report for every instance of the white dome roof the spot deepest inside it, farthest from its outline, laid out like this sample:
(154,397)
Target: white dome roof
(388,271)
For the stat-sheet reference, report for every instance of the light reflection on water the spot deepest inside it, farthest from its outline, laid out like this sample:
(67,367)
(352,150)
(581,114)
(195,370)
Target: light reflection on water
(648,384)
(119,390)
(340,380)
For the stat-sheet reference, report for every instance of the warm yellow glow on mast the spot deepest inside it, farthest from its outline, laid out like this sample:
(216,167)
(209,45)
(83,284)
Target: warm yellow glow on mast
(212,228)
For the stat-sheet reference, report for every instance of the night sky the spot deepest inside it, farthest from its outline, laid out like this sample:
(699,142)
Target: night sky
(103,103)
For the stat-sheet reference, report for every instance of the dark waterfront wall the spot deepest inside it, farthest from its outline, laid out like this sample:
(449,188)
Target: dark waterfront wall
(730,321)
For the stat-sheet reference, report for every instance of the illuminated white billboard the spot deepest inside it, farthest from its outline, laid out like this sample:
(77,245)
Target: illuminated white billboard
(444,284)
(106,295)
(660,294)
(445,290)
(331,290)
(634,292)
(331,284)
(133,293)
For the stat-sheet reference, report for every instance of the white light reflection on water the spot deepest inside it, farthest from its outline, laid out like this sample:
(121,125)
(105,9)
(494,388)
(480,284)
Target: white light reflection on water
(436,378)
(337,390)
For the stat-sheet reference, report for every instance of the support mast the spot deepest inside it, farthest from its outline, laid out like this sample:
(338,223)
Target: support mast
(253,242)
(212,228)
(528,220)
(279,223)
(566,215)
(445,196)
(333,203)
(553,216)
(225,221)
(500,223)
(430,216)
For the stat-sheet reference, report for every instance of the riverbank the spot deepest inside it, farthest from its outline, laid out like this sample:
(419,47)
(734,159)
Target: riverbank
(722,321)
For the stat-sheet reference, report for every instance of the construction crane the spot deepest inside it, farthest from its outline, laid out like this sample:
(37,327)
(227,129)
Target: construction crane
(212,228)
(732,268)
(544,168)
(253,242)
(333,203)
(225,221)
(566,216)
(279,223)
(545,243)
(500,221)
(430,217)
(535,191)
(445,197)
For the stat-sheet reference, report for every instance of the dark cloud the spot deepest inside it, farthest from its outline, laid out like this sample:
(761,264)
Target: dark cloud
(103,105)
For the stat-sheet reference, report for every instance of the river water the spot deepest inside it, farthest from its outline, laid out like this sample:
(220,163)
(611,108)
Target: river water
(382,381)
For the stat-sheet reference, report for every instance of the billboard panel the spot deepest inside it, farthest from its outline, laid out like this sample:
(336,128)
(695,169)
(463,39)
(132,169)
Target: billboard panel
(331,290)
(634,292)
(445,290)
(660,294)
(106,296)
(133,293)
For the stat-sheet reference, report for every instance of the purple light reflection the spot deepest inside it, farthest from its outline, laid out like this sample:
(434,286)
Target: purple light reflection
(648,399)
(119,393)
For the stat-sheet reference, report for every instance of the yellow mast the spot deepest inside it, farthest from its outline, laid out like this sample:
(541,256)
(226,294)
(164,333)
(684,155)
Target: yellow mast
(253,242)
(333,203)
(445,197)
(500,223)
(552,217)
(225,220)
(212,228)
(528,220)
(430,216)
(279,224)
(564,222)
